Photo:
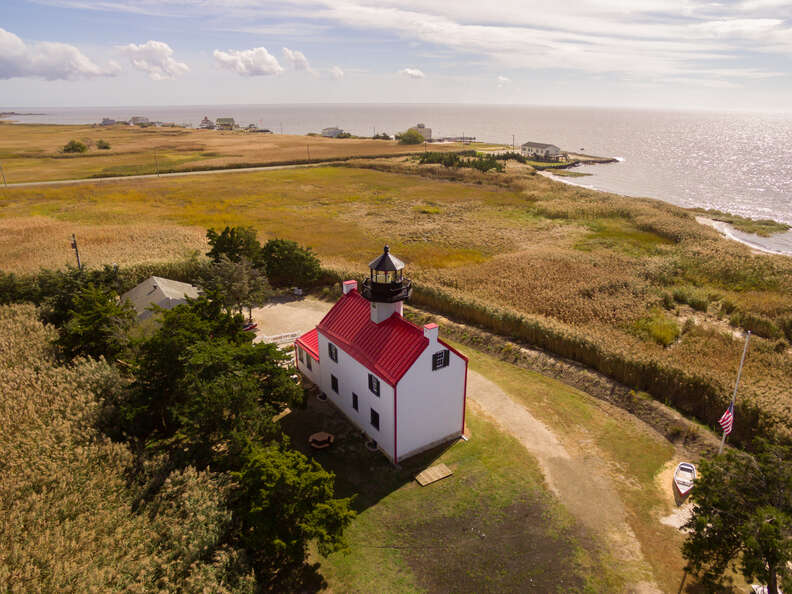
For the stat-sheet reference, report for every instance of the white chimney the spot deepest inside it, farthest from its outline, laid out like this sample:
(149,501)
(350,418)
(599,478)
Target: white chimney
(431,332)
(349,286)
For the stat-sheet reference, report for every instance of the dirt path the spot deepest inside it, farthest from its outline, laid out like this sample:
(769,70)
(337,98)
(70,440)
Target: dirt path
(581,481)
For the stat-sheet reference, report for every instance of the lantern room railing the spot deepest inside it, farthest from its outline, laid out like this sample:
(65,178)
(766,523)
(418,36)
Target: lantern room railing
(388,292)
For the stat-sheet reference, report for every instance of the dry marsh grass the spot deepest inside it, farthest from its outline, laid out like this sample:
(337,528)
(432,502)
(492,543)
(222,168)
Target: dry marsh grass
(564,267)
(67,523)
(32,152)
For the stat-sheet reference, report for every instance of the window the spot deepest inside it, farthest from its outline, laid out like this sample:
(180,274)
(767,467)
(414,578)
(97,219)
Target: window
(301,353)
(375,419)
(332,351)
(374,385)
(440,359)
(334,383)
(308,361)
(354,401)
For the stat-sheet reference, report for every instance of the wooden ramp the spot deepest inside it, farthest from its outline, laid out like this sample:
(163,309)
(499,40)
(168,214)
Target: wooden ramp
(433,474)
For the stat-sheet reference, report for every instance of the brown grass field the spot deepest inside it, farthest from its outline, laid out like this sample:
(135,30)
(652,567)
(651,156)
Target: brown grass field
(609,279)
(30,152)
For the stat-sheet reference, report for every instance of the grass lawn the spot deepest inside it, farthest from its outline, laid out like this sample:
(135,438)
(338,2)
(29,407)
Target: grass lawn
(492,526)
(635,454)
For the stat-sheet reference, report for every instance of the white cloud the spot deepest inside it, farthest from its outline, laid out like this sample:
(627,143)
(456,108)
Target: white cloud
(336,73)
(155,58)
(47,60)
(253,62)
(412,73)
(297,60)
(503,81)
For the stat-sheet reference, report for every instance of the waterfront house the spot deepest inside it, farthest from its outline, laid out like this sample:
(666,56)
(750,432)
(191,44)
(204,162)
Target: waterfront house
(398,383)
(159,291)
(225,123)
(423,131)
(539,149)
(206,124)
(108,122)
(332,132)
(139,121)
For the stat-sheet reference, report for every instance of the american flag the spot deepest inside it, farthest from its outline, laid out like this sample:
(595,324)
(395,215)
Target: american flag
(727,420)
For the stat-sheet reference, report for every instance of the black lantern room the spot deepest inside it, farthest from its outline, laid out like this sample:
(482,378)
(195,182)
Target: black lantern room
(387,283)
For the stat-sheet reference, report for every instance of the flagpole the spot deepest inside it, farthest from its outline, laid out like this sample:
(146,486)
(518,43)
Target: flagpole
(736,385)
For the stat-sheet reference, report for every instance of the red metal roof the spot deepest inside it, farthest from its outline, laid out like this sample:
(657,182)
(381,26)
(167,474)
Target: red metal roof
(387,349)
(310,342)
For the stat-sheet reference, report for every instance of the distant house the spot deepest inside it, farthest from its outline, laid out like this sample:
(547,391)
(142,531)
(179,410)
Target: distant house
(108,122)
(206,124)
(159,291)
(138,121)
(332,132)
(423,131)
(225,123)
(539,149)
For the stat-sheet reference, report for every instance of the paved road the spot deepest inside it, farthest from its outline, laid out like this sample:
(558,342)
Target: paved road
(94,180)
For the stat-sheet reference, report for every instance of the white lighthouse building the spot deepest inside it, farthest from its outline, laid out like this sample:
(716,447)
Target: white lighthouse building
(398,383)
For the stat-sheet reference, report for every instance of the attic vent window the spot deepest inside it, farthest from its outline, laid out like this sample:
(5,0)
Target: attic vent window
(374,385)
(440,359)
(332,351)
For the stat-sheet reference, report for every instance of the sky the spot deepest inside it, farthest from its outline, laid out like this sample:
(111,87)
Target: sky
(612,53)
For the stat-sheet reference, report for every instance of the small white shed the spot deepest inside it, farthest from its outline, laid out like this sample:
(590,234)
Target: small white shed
(160,291)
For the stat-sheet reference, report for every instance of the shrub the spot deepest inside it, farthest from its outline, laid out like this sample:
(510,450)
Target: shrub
(102,144)
(287,263)
(658,327)
(756,323)
(695,298)
(410,137)
(74,146)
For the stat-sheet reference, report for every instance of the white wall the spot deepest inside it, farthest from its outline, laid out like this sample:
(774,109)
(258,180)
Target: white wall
(430,403)
(353,377)
(313,373)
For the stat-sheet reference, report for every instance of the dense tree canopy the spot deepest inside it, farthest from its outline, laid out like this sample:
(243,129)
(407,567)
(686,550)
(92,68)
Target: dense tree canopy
(288,263)
(97,326)
(237,284)
(234,243)
(742,518)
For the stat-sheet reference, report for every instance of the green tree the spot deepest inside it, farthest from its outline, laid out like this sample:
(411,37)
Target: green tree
(102,144)
(238,284)
(288,263)
(230,393)
(235,243)
(74,146)
(742,518)
(410,137)
(283,502)
(97,326)
(160,364)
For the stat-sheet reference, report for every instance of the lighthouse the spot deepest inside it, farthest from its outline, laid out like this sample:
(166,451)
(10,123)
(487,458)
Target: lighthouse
(386,288)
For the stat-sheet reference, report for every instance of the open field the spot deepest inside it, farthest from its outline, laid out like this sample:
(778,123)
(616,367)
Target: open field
(634,288)
(30,152)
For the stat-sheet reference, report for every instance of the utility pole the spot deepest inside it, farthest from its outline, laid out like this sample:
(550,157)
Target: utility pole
(736,385)
(513,143)
(308,148)
(76,251)
(156,162)
(5,183)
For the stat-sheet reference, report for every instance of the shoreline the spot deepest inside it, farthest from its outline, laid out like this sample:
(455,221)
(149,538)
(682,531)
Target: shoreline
(725,229)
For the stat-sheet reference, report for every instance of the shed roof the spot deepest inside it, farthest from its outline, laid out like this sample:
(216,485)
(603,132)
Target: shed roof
(160,291)
(387,349)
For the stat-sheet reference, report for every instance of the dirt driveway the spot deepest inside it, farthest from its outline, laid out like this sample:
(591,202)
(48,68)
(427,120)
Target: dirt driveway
(298,315)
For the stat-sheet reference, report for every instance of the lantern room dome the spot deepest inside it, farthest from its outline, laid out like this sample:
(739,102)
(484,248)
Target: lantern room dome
(386,262)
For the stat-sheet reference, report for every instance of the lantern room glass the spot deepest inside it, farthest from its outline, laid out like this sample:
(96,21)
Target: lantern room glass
(386,276)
